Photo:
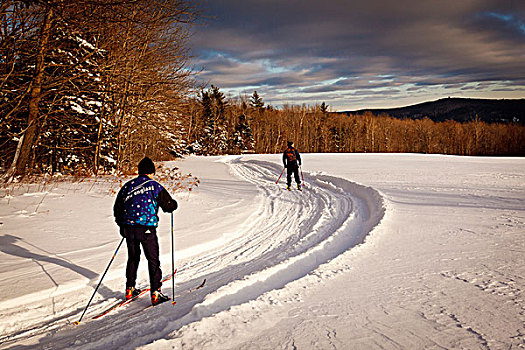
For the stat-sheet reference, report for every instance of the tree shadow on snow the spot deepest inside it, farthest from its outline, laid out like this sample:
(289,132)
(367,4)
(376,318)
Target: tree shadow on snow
(8,246)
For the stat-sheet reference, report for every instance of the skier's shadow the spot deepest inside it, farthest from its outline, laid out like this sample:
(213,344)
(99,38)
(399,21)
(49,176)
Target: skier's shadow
(8,246)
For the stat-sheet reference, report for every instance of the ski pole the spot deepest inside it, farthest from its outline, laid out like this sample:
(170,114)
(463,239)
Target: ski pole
(300,167)
(172,262)
(282,172)
(104,274)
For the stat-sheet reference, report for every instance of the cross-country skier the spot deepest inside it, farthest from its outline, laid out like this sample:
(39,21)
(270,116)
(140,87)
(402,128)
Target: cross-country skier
(292,162)
(135,211)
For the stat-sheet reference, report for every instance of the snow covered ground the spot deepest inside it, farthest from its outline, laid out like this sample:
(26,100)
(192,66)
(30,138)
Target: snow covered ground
(441,266)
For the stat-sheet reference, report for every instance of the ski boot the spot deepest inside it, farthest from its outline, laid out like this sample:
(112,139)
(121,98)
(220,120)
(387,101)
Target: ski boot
(288,187)
(132,292)
(157,298)
(299,187)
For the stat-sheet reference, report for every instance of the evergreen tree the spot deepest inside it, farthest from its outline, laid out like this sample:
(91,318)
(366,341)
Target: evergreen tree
(213,139)
(72,112)
(55,128)
(256,101)
(242,139)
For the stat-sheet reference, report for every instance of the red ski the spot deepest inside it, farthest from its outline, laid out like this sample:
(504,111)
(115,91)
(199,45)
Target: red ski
(125,302)
(173,302)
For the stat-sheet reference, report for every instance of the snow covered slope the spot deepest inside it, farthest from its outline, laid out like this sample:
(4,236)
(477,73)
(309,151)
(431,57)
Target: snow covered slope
(441,266)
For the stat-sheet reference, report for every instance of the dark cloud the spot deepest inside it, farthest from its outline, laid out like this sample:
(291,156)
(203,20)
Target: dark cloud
(339,49)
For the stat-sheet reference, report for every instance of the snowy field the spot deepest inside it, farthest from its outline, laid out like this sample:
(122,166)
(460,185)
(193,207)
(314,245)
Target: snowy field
(380,251)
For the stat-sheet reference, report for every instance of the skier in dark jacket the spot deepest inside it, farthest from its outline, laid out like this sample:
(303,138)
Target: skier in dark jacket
(135,212)
(292,162)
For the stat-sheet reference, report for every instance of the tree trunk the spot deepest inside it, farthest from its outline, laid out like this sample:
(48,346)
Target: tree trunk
(96,161)
(8,177)
(28,139)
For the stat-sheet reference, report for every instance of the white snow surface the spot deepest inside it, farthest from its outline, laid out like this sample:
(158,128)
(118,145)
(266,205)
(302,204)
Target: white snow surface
(380,251)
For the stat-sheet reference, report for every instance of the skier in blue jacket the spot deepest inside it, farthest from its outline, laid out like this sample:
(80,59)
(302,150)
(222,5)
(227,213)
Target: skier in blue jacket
(135,212)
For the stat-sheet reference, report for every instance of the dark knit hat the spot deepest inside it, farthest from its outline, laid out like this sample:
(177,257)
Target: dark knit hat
(146,166)
(290,143)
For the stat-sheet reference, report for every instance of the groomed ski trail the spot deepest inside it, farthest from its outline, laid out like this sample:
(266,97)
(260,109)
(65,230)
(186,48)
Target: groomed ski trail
(287,238)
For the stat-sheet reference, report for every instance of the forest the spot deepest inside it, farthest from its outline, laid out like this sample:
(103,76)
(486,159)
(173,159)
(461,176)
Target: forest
(87,85)
(92,86)
(218,125)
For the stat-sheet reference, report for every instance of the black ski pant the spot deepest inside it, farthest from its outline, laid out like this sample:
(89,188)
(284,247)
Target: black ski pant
(147,237)
(292,168)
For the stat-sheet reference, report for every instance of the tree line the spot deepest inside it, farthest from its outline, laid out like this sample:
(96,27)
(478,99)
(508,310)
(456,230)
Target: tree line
(244,124)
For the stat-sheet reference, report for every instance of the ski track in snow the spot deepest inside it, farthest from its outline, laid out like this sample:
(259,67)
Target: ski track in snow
(289,236)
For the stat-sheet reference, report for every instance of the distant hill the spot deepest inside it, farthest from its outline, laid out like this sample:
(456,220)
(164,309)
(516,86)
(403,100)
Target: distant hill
(459,109)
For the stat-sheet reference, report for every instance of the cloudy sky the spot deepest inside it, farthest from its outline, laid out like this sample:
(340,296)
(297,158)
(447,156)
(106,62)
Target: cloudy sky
(356,54)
